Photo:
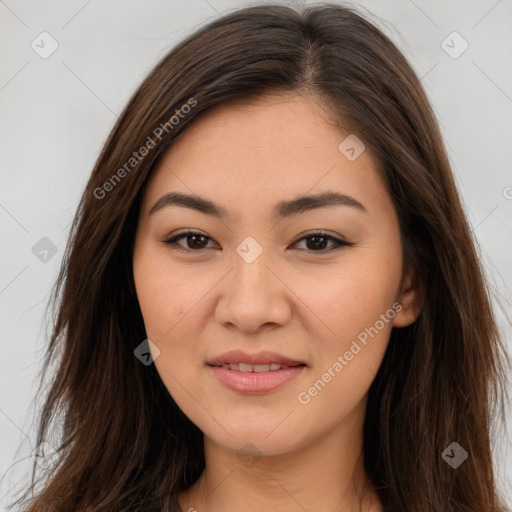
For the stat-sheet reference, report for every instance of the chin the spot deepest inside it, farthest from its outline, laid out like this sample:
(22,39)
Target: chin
(256,438)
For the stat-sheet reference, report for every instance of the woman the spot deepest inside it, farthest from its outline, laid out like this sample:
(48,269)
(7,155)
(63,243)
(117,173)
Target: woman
(271,299)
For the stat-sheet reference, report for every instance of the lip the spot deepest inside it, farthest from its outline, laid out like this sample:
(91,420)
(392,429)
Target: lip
(255,383)
(239,356)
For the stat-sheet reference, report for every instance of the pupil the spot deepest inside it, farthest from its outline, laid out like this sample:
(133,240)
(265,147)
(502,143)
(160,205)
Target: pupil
(196,236)
(316,243)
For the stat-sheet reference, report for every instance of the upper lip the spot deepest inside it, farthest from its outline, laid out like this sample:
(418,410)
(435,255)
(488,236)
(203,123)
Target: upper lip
(238,356)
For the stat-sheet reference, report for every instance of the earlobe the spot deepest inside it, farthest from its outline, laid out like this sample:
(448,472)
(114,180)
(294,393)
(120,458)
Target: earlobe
(411,299)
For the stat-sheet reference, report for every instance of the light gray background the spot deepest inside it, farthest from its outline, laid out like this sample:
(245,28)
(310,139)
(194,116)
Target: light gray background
(57,112)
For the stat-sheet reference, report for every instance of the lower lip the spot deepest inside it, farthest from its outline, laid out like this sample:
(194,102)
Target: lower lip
(255,383)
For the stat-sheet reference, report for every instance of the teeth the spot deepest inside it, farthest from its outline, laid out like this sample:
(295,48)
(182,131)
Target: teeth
(257,368)
(261,367)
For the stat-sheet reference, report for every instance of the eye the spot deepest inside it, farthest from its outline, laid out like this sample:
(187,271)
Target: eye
(198,240)
(319,239)
(316,240)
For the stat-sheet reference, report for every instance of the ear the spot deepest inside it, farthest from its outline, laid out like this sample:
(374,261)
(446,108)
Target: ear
(411,299)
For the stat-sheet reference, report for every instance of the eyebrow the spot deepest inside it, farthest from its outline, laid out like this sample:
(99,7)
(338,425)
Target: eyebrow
(282,209)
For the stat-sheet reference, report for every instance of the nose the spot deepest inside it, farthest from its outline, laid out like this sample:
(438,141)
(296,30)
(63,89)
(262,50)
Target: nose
(255,297)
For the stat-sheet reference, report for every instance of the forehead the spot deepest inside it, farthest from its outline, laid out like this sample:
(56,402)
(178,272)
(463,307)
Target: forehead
(262,151)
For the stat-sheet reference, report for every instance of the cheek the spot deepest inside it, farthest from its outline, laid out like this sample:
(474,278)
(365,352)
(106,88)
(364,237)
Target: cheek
(164,295)
(362,290)
(164,302)
(171,300)
(358,313)
(353,305)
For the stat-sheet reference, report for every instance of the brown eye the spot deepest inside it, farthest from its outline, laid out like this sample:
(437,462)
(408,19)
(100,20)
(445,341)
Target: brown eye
(195,241)
(317,242)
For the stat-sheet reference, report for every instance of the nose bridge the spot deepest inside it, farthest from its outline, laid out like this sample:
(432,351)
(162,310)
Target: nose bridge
(253,296)
(250,263)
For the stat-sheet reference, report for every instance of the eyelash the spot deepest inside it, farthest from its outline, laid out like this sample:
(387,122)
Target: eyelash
(338,243)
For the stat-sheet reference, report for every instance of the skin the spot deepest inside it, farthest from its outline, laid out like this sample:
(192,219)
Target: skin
(295,299)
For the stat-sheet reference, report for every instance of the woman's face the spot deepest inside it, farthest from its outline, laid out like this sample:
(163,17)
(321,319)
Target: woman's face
(250,281)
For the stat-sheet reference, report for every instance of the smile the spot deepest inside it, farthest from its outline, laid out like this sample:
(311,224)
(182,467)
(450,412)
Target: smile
(255,379)
(258,368)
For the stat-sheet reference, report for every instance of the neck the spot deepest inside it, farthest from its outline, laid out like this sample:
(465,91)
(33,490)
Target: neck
(327,474)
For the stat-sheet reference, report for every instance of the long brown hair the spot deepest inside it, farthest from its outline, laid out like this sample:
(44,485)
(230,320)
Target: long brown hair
(125,445)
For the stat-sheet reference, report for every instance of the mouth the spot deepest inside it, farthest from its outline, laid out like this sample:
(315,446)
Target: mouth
(255,374)
(237,360)
(256,368)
